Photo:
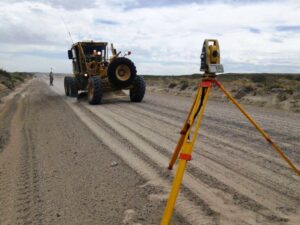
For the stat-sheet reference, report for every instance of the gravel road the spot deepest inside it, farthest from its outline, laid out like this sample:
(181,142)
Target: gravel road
(63,161)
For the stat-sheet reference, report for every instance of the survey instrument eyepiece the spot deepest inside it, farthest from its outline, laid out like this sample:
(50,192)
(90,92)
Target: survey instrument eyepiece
(210,57)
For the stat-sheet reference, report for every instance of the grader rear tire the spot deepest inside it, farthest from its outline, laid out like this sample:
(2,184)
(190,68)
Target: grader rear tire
(121,72)
(137,92)
(95,90)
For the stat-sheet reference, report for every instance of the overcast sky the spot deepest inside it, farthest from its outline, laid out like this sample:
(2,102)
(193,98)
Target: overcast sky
(165,36)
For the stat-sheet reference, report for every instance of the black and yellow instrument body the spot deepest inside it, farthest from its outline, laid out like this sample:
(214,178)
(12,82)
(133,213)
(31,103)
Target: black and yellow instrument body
(211,57)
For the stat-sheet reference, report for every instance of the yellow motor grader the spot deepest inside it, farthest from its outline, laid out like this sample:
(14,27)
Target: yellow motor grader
(95,72)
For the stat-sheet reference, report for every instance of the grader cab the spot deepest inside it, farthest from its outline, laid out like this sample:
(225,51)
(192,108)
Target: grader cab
(96,71)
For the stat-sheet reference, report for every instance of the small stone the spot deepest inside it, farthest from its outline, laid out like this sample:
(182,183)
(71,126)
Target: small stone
(57,215)
(278,90)
(113,164)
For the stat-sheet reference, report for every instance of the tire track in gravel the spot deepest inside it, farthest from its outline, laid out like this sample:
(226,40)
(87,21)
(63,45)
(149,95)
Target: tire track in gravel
(27,200)
(242,131)
(206,132)
(10,117)
(78,182)
(18,175)
(209,187)
(203,171)
(193,213)
(214,171)
(229,212)
(222,129)
(271,179)
(241,128)
(229,113)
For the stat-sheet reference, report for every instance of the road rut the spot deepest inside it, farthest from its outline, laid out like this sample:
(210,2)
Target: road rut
(235,177)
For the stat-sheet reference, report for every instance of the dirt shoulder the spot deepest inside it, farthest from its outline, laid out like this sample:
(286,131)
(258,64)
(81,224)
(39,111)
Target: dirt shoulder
(55,171)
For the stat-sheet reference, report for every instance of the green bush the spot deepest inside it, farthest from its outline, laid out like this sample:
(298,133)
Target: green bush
(4,73)
(297,88)
(18,77)
(172,85)
(8,84)
(184,85)
(258,78)
(271,86)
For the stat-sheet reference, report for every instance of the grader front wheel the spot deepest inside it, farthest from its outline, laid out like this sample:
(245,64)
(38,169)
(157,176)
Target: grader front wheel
(138,89)
(67,85)
(73,91)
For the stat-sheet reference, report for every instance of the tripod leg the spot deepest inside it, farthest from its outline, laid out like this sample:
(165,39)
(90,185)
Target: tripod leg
(186,127)
(174,192)
(264,134)
(185,156)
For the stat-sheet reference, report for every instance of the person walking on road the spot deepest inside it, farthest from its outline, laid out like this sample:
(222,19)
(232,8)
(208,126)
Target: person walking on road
(51,77)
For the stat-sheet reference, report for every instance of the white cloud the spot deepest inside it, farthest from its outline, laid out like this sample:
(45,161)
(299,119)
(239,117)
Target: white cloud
(164,40)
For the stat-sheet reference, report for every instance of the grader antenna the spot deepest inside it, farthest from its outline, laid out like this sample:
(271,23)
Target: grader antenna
(210,64)
(67,29)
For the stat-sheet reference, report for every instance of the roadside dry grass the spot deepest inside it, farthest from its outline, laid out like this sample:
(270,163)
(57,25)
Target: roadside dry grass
(280,91)
(8,81)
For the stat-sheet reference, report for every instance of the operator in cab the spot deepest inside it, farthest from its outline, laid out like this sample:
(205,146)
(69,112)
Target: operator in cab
(96,56)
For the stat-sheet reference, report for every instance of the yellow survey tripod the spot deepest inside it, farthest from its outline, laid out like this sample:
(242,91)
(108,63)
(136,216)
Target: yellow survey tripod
(210,64)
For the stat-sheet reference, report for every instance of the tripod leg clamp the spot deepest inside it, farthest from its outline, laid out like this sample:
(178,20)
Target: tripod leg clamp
(184,156)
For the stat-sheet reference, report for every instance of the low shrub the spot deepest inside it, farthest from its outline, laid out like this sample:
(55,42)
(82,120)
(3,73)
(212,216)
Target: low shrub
(9,84)
(258,78)
(18,77)
(172,85)
(4,73)
(184,85)
(297,78)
